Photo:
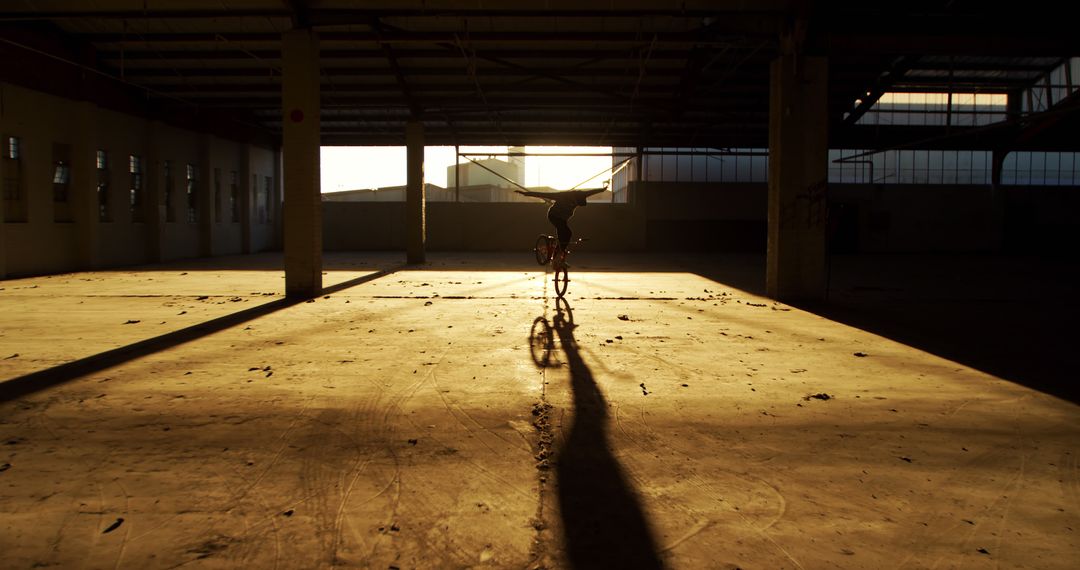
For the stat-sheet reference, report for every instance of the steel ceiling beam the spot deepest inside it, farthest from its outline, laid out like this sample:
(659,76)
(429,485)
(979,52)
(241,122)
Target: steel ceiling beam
(411,37)
(402,83)
(966,66)
(896,73)
(960,82)
(137,53)
(337,16)
(339,70)
(299,13)
(956,44)
(419,89)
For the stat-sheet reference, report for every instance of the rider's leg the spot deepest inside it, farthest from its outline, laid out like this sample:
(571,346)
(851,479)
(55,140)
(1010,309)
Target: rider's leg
(564,233)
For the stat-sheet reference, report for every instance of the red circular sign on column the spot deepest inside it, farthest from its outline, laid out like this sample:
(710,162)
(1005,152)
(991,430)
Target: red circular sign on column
(296,115)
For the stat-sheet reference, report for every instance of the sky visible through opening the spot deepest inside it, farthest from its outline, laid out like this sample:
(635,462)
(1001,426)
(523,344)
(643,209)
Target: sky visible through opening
(354,168)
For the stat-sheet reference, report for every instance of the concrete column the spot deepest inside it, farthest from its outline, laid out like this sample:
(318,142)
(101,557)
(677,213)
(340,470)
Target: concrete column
(415,223)
(244,200)
(303,210)
(3,247)
(275,208)
(205,199)
(639,175)
(154,195)
(997,196)
(84,181)
(798,174)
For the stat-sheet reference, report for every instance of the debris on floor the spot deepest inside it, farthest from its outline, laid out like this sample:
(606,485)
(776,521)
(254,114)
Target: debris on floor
(542,423)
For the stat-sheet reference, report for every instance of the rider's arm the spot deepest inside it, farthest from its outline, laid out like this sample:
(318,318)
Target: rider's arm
(544,195)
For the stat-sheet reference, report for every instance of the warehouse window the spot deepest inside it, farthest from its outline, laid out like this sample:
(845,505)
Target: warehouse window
(1053,88)
(268,185)
(1026,168)
(255,190)
(61,177)
(936,109)
(234,196)
(104,214)
(850,166)
(135,170)
(217,195)
(61,182)
(702,164)
(12,147)
(192,194)
(170,212)
(14,200)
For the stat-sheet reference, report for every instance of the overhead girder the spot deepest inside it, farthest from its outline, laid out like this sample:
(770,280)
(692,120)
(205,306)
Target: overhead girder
(705,67)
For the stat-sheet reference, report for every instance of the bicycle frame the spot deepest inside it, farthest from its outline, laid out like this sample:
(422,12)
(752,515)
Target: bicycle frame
(545,249)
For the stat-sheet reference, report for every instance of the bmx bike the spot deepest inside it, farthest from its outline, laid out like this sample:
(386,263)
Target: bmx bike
(545,249)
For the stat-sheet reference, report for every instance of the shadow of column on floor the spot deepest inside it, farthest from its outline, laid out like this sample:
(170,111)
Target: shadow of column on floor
(603,520)
(1011,317)
(37,381)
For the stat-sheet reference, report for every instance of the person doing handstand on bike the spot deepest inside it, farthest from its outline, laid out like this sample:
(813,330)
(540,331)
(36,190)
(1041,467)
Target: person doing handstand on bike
(562,209)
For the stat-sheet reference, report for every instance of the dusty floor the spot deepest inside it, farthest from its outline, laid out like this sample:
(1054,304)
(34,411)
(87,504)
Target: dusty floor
(455,416)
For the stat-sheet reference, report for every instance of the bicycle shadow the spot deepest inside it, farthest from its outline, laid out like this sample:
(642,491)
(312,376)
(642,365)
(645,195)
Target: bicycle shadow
(604,523)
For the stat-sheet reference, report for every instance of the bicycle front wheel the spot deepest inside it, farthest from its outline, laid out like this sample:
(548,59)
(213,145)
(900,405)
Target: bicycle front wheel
(543,249)
(562,280)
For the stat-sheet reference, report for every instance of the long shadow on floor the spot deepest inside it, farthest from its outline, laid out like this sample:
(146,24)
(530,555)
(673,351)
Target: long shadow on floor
(1013,318)
(42,379)
(603,520)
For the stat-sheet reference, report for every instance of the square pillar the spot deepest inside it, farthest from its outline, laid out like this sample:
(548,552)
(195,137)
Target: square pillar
(3,231)
(303,202)
(798,176)
(415,210)
(84,183)
(275,206)
(997,193)
(205,199)
(244,199)
(153,195)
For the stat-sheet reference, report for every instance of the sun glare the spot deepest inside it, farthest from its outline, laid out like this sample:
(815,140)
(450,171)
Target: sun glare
(352,168)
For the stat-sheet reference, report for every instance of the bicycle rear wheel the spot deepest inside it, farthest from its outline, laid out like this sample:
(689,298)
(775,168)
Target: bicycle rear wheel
(562,280)
(544,249)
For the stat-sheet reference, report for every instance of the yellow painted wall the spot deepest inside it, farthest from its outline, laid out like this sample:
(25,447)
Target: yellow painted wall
(43,245)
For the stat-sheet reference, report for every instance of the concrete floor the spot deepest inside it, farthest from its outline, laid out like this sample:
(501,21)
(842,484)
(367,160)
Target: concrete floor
(455,416)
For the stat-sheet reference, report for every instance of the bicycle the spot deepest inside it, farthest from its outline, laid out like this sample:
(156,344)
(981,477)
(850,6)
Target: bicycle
(545,248)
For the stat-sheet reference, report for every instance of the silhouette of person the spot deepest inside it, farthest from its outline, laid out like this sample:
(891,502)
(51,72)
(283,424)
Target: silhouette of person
(562,209)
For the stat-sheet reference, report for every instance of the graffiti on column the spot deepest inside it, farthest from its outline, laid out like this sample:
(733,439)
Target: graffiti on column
(812,201)
(816,204)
